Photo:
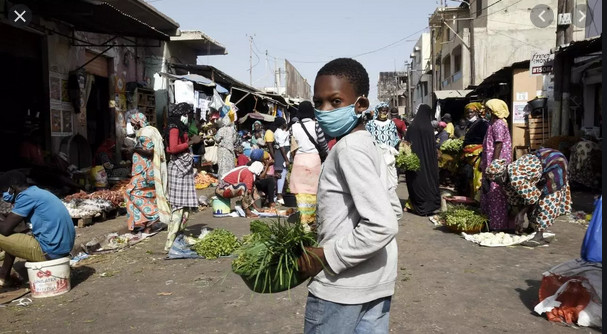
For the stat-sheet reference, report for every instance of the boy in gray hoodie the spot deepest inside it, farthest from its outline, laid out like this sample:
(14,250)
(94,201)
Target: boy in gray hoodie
(355,266)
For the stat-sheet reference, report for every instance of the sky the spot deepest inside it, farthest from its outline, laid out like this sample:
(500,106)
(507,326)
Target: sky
(380,34)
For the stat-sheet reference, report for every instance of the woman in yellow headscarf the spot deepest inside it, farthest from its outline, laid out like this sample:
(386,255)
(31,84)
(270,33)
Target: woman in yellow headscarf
(497,145)
(470,173)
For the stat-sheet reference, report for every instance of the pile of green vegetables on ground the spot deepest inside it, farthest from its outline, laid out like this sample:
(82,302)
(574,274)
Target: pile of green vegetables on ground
(406,159)
(219,242)
(452,146)
(462,218)
(267,258)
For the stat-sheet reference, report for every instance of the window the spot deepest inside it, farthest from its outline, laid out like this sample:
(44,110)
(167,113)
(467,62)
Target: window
(457,59)
(479,7)
(446,67)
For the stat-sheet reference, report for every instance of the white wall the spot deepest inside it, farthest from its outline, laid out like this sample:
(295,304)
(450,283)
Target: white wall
(509,36)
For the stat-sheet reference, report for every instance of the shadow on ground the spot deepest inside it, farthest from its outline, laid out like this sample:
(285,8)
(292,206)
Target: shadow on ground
(81,274)
(529,296)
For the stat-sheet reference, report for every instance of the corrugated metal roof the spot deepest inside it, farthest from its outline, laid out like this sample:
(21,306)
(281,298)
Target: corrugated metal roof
(94,16)
(199,42)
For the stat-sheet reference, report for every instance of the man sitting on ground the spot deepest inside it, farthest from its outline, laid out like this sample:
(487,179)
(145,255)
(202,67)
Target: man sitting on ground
(52,227)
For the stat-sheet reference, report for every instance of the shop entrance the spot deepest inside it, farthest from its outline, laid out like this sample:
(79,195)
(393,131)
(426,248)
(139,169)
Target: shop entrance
(99,119)
(21,89)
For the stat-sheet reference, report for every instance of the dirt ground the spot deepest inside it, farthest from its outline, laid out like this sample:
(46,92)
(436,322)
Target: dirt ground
(445,285)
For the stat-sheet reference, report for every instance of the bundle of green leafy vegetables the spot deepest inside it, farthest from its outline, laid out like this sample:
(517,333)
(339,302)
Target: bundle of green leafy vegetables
(463,218)
(219,242)
(408,162)
(267,259)
(452,146)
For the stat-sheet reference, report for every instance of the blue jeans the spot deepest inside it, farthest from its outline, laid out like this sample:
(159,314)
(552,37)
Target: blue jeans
(327,317)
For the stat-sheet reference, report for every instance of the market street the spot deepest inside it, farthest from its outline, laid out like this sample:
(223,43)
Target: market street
(445,285)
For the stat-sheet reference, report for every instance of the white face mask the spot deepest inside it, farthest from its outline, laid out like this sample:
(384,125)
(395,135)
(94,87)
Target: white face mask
(184,119)
(473,118)
(130,131)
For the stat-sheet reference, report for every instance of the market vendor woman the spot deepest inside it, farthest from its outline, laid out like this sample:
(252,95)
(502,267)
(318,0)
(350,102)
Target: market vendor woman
(537,185)
(52,227)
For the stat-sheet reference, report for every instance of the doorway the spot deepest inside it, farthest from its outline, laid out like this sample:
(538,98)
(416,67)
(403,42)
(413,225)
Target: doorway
(99,119)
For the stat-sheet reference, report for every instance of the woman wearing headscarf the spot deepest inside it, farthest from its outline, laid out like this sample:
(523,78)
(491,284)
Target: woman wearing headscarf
(182,193)
(424,194)
(385,133)
(145,195)
(239,182)
(585,163)
(470,173)
(536,184)
(266,182)
(225,138)
(257,135)
(496,145)
(306,162)
(382,128)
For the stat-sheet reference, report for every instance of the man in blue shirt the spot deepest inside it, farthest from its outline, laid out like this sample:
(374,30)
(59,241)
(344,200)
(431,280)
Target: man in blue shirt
(52,227)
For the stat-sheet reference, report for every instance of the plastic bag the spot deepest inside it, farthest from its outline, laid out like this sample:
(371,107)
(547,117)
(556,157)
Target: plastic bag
(210,154)
(216,101)
(99,176)
(181,249)
(592,247)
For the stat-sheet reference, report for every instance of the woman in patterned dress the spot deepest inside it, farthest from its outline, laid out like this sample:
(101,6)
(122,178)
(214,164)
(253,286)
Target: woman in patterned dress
(145,195)
(386,136)
(225,138)
(496,145)
(537,185)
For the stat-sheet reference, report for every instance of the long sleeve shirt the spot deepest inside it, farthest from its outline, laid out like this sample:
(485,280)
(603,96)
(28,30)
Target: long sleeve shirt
(176,144)
(357,223)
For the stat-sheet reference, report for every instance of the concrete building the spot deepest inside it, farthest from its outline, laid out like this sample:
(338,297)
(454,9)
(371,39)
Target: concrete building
(392,89)
(78,66)
(420,72)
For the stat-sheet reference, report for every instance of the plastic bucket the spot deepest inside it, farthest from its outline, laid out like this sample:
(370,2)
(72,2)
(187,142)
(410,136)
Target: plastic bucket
(220,205)
(49,278)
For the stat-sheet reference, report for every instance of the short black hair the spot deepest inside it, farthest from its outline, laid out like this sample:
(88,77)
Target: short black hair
(15,179)
(350,69)
(306,110)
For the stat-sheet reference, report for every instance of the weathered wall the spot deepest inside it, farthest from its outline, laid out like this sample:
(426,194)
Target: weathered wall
(524,88)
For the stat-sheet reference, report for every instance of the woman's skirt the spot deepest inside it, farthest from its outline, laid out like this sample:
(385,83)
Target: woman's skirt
(305,173)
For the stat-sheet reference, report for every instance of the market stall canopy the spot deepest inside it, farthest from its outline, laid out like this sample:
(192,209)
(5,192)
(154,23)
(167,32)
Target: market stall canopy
(451,94)
(257,116)
(259,95)
(215,74)
(202,44)
(199,79)
(145,12)
(95,16)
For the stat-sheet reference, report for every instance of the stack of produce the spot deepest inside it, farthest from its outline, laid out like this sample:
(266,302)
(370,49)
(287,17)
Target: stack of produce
(406,159)
(203,180)
(116,197)
(219,242)
(460,218)
(267,259)
(452,146)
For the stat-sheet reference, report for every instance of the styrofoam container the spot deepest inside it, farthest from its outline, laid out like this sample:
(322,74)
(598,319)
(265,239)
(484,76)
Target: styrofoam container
(49,278)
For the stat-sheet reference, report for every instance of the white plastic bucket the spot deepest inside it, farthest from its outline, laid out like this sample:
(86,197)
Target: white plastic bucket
(49,278)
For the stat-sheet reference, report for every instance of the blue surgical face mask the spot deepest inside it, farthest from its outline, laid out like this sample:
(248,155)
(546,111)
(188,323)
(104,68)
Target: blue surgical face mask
(338,122)
(8,197)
